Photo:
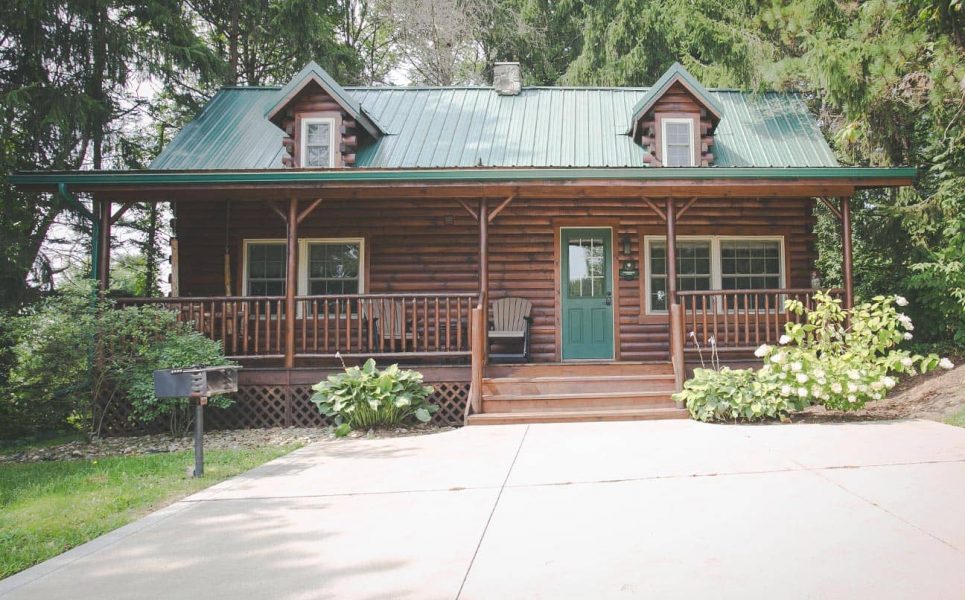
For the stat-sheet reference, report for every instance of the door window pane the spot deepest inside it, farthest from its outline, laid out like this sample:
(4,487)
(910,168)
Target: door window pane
(333,268)
(587,268)
(266,268)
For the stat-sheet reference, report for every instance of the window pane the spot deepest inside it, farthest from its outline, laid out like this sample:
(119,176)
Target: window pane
(318,133)
(678,156)
(266,269)
(587,265)
(333,268)
(693,269)
(678,133)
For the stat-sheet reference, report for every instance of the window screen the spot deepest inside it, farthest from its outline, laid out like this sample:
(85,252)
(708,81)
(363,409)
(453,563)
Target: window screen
(266,268)
(693,269)
(678,143)
(333,268)
(318,144)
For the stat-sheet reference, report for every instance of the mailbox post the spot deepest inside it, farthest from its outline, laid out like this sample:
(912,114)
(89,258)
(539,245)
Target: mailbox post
(196,383)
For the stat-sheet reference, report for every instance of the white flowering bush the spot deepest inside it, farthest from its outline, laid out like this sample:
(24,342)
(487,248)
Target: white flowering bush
(832,357)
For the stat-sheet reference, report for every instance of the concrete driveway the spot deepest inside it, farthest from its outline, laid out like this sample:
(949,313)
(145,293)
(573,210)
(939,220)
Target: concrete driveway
(671,509)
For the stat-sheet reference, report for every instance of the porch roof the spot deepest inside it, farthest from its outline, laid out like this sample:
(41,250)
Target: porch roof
(155,185)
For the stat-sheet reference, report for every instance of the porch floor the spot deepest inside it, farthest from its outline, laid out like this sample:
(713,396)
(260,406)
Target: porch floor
(568,392)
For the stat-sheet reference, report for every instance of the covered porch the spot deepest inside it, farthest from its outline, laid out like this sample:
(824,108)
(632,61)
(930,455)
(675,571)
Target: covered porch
(439,248)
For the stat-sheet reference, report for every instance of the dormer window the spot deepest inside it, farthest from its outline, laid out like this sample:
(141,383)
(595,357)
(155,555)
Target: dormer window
(678,142)
(318,141)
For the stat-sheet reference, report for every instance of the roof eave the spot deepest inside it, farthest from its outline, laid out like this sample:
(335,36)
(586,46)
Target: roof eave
(859,177)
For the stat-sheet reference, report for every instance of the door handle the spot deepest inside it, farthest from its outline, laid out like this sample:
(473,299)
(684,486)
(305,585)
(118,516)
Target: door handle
(609,299)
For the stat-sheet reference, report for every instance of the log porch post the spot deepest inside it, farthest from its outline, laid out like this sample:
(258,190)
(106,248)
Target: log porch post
(484,251)
(674,310)
(671,253)
(104,247)
(846,252)
(291,282)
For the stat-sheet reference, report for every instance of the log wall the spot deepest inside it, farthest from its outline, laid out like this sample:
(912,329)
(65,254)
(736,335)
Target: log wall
(432,246)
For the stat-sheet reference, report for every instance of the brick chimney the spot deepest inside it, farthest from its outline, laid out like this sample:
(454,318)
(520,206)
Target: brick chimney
(507,78)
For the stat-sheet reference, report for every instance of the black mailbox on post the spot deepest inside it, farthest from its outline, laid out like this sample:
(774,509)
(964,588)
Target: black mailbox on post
(201,383)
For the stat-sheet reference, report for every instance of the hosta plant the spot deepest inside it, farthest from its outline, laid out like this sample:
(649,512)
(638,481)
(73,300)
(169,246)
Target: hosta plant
(364,397)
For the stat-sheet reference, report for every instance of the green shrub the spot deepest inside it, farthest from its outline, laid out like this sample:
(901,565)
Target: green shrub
(367,397)
(832,357)
(69,348)
(732,395)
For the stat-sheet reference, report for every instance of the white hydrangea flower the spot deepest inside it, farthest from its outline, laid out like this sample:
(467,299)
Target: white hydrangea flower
(854,374)
(802,392)
(888,382)
(901,301)
(836,388)
(907,335)
(877,385)
(785,390)
(852,387)
(795,366)
(818,373)
(762,351)
(778,358)
(876,395)
(905,321)
(906,361)
(785,339)
(852,398)
(802,378)
(946,364)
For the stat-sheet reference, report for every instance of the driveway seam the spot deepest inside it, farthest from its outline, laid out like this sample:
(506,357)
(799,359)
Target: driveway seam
(491,513)
(888,512)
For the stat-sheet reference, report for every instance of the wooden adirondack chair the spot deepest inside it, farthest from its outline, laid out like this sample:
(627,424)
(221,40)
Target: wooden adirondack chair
(389,319)
(510,323)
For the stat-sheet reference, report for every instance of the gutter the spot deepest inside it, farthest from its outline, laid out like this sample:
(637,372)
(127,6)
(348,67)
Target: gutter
(47,179)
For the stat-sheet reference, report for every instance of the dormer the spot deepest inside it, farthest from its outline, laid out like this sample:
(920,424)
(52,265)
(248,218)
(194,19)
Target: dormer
(324,124)
(675,121)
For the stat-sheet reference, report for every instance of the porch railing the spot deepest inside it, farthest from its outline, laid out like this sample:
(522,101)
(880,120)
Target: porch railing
(740,319)
(353,325)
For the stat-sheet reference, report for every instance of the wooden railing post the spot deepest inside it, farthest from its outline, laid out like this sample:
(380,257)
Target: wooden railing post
(677,336)
(846,252)
(478,358)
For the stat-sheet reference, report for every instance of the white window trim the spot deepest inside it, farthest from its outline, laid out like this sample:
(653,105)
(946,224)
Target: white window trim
(303,146)
(663,137)
(303,244)
(716,277)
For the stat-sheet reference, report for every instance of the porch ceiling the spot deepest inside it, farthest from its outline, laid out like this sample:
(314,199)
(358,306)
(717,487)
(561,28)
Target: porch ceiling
(162,186)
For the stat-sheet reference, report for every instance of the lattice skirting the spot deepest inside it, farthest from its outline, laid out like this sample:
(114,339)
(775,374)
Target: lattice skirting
(259,406)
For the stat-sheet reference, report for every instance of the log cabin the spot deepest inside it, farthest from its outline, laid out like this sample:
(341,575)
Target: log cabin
(631,231)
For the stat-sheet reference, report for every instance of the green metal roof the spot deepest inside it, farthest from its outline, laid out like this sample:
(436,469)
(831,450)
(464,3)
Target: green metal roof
(675,73)
(474,126)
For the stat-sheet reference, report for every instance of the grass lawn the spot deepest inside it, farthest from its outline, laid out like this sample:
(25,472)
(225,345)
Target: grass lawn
(47,508)
(957,419)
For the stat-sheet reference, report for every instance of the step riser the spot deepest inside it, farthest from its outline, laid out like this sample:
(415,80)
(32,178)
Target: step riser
(550,388)
(578,370)
(499,406)
(503,419)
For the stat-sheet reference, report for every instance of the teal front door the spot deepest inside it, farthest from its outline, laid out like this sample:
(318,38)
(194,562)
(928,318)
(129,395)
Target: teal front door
(586,279)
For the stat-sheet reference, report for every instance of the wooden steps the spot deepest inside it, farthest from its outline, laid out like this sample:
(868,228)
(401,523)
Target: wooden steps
(571,392)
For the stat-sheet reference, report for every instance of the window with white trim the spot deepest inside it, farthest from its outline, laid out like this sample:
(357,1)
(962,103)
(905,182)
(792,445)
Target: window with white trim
(333,267)
(678,142)
(265,266)
(318,142)
(325,266)
(693,269)
(714,263)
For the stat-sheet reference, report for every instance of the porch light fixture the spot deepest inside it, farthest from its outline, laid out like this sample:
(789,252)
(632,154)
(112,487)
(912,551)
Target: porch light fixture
(625,241)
